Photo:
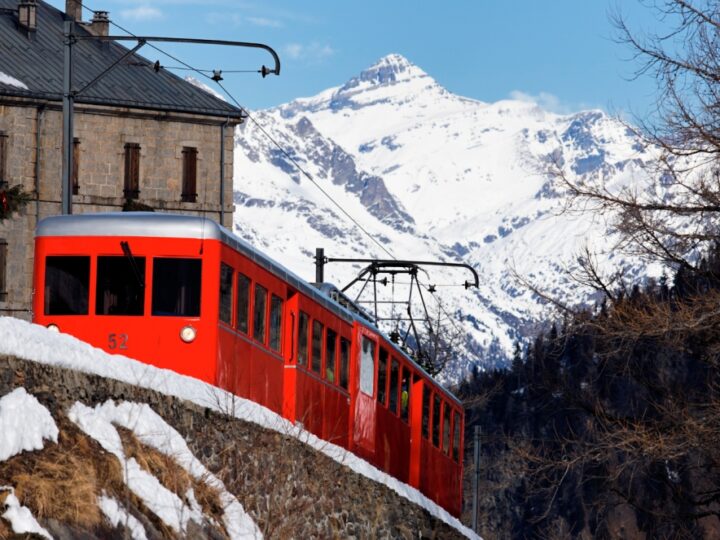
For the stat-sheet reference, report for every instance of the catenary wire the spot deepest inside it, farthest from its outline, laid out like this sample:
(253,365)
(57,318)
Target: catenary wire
(264,132)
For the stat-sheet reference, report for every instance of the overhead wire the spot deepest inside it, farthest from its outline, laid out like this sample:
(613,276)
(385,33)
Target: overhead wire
(297,165)
(264,132)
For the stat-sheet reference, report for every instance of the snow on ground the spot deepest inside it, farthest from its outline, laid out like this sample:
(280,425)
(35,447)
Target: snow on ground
(21,519)
(151,429)
(12,81)
(116,515)
(24,423)
(36,343)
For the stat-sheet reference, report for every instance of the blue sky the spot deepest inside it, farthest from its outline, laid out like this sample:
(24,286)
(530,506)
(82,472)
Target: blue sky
(560,53)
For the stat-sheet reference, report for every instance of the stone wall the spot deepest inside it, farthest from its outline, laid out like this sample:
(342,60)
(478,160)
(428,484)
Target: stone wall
(102,133)
(289,489)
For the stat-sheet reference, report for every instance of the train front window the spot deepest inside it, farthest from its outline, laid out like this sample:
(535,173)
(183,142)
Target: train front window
(176,287)
(67,281)
(275,322)
(259,312)
(226,282)
(120,288)
(367,366)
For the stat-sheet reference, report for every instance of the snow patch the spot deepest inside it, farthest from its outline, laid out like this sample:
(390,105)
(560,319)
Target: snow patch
(117,515)
(152,430)
(20,517)
(24,423)
(36,343)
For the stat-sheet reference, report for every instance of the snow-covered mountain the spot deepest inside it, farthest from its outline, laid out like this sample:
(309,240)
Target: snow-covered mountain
(435,176)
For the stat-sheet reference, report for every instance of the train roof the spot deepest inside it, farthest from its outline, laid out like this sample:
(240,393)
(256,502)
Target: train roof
(164,225)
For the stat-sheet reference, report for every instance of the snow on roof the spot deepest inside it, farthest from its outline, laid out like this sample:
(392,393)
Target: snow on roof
(11,81)
(36,343)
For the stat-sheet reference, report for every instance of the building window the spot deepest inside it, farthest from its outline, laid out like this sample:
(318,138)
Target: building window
(189,174)
(3,158)
(76,166)
(132,171)
(3,267)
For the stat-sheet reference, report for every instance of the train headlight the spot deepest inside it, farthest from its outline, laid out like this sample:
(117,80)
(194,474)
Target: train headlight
(53,327)
(188,334)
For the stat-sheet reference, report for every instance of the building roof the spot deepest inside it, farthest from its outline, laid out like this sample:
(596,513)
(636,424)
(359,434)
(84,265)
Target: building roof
(33,67)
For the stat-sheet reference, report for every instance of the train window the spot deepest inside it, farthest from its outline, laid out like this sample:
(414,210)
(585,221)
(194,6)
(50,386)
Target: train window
(330,346)
(404,394)
(67,280)
(317,333)
(303,327)
(446,429)
(259,313)
(120,288)
(426,413)
(176,287)
(382,376)
(275,322)
(436,421)
(242,304)
(367,366)
(394,368)
(344,362)
(456,436)
(226,280)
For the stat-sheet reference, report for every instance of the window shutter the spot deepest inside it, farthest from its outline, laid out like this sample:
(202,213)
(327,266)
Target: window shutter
(3,158)
(132,170)
(189,179)
(76,166)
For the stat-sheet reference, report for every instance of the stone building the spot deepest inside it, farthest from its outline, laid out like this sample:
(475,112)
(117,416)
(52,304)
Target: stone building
(143,137)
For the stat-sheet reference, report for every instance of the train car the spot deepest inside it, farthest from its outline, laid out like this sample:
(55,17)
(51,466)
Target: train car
(183,293)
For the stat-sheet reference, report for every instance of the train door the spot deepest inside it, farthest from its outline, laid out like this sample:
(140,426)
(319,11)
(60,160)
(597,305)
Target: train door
(416,413)
(364,425)
(290,347)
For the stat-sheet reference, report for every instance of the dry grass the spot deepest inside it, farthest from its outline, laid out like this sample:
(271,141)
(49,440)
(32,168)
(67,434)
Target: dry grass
(172,475)
(63,480)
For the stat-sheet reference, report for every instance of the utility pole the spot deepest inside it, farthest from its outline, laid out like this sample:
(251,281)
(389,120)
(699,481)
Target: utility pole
(68,114)
(69,95)
(476,478)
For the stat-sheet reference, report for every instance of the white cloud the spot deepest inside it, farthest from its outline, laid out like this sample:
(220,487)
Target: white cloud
(142,13)
(311,52)
(551,103)
(263,21)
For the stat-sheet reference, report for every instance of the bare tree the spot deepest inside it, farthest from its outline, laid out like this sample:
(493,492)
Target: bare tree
(677,214)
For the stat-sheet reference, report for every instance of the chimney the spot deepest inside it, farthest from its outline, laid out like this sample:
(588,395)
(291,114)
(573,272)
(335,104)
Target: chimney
(73,9)
(27,15)
(100,24)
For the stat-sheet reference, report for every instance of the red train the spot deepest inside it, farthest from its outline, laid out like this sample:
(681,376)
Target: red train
(183,293)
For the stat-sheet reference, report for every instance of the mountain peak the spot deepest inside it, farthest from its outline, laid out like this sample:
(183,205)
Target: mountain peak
(390,69)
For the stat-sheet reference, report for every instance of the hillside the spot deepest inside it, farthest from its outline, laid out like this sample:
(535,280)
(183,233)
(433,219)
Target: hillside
(97,445)
(433,175)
